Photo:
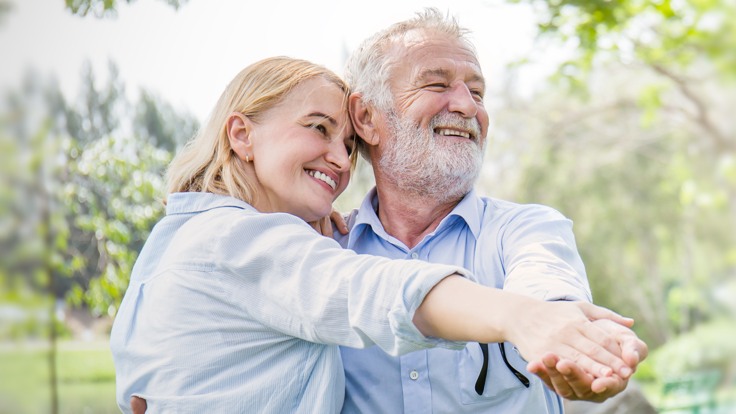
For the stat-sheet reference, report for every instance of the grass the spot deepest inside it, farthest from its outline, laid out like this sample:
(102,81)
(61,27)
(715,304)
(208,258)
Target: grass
(86,379)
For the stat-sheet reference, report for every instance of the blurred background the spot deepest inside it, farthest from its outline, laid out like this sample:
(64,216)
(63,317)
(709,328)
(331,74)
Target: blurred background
(620,114)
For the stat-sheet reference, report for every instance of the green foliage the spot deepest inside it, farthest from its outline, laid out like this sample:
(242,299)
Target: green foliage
(113,192)
(675,34)
(711,345)
(161,125)
(653,222)
(106,8)
(82,195)
(635,141)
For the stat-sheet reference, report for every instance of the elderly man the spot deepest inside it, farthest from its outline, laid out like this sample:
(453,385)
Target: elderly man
(418,107)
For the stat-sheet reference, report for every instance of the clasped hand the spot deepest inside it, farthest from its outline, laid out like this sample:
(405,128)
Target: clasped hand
(590,360)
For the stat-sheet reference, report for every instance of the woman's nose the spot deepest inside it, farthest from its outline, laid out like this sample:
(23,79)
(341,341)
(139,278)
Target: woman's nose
(337,155)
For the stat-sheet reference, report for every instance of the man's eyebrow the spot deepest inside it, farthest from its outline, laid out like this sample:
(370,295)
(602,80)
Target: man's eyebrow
(444,73)
(430,72)
(323,116)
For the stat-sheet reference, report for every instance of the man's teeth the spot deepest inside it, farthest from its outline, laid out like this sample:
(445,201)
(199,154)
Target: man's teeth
(453,132)
(324,177)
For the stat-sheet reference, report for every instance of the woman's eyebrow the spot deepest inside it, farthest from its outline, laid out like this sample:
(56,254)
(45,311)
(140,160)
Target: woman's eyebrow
(322,116)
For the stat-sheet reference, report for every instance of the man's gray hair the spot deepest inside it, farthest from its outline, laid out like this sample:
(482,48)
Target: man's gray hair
(368,69)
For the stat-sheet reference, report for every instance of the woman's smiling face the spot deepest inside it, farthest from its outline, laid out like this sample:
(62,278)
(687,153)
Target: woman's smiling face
(300,151)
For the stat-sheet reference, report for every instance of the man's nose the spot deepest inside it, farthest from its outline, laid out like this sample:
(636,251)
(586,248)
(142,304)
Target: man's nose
(462,101)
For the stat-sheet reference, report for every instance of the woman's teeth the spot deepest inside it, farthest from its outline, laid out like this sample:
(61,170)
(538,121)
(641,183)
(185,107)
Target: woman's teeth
(324,177)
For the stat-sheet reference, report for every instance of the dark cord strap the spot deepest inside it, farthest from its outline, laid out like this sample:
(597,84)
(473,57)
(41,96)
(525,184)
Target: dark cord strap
(524,380)
(480,384)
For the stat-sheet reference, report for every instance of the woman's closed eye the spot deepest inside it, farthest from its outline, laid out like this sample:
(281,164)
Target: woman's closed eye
(319,127)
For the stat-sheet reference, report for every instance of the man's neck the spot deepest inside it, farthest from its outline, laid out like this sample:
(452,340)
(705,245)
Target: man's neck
(409,217)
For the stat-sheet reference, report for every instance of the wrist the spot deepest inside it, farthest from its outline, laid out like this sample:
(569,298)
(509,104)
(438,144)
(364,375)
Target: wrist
(513,321)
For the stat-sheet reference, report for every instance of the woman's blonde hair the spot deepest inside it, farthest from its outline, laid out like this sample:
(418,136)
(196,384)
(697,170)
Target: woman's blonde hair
(207,163)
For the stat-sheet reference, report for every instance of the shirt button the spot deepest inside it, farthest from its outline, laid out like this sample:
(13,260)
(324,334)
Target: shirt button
(414,375)
(414,255)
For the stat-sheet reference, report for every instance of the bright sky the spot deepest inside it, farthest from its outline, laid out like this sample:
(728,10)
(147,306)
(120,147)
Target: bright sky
(188,56)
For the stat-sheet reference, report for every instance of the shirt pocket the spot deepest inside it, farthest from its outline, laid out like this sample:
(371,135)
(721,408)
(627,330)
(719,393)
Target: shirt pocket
(500,383)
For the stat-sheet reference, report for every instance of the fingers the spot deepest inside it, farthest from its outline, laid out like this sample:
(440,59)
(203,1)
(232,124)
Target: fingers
(567,379)
(607,387)
(323,226)
(613,344)
(138,405)
(632,349)
(570,381)
(596,351)
(537,368)
(594,312)
(579,382)
(559,384)
(339,221)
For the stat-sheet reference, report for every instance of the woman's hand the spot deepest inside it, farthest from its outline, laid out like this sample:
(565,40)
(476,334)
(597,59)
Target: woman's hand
(573,331)
(138,405)
(570,381)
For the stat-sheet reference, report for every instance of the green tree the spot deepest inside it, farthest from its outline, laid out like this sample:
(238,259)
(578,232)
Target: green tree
(80,194)
(92,200)
(106,8)
(160,124)
(634,140)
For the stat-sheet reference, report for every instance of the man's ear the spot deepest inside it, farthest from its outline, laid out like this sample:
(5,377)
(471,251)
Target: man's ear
(238,133)
(362,114)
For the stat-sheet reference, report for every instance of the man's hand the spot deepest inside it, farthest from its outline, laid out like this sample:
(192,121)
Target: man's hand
(324,225)
(570,381)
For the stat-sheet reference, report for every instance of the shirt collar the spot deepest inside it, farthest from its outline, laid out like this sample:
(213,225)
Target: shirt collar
(366,218)
(197,202)
(470,210)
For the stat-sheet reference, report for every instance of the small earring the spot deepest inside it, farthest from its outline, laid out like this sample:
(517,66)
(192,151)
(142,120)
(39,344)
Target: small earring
(247,158)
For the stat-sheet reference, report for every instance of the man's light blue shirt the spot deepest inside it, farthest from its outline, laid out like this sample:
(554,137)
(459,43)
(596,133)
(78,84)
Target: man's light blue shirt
(234,311)
(527,249)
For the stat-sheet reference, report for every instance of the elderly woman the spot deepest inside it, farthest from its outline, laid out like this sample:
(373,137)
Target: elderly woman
(237,304)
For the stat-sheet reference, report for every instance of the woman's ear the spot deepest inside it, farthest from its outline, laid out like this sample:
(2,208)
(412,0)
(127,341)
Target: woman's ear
(238,133)
(362,114)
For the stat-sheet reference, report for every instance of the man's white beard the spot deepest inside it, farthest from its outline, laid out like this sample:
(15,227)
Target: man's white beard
(443,169)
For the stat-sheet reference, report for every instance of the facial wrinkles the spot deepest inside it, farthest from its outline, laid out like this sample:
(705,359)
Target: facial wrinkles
(424,164)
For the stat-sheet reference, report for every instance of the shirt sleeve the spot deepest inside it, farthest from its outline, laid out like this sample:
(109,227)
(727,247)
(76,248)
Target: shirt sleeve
(540,256)
(298,282)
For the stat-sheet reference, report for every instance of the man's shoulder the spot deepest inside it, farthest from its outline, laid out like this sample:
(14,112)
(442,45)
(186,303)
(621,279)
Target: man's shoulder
(496,209)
